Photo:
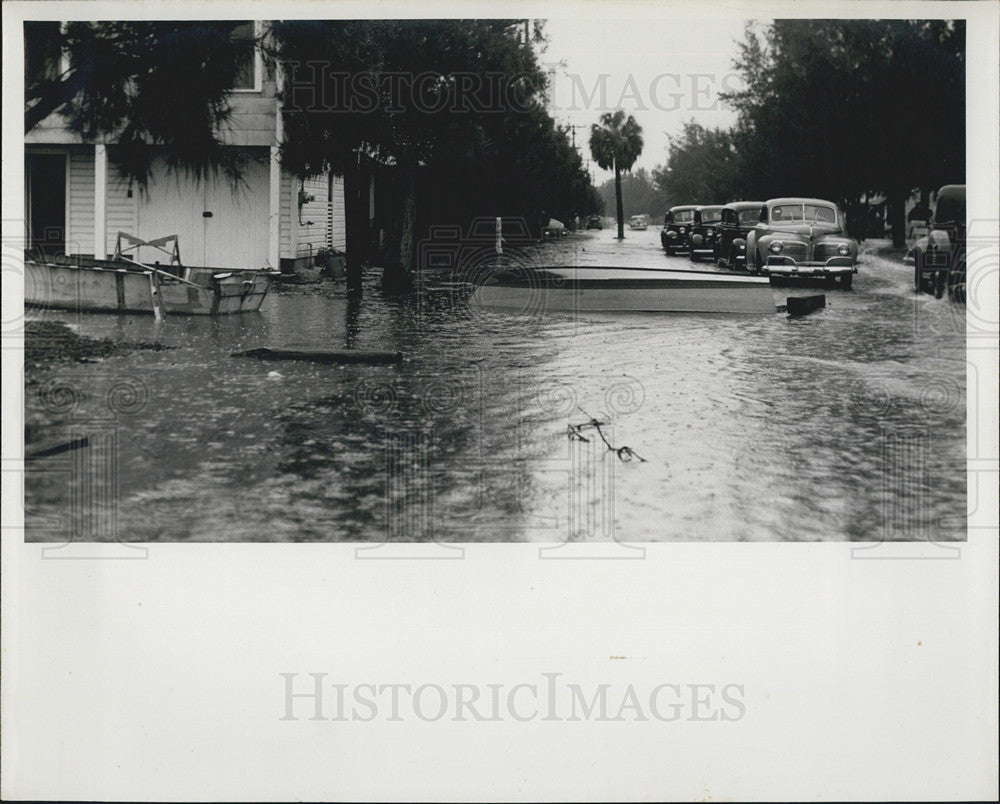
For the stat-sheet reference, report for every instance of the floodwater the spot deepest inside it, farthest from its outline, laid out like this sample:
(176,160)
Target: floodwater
(847,424)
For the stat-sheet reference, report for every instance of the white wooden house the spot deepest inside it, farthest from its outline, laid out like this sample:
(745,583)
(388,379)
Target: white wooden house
(76,201)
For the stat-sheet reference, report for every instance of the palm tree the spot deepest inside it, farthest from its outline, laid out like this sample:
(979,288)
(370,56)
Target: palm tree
(616,142)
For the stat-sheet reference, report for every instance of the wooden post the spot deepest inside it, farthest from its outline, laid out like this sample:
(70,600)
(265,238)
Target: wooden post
(100,201)
(274,212)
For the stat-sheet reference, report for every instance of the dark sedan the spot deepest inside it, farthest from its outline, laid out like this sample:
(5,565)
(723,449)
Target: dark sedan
(738,220)
(939,257)
(704,232)
(676,228)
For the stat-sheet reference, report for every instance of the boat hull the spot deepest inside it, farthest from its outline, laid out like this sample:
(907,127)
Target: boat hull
(579,289)
(67,287)
(239,293)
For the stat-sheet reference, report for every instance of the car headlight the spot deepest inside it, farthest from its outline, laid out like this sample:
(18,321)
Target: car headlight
(742,246)
(671,234)
(682,230)
(710,231)
(843,249)
(776,247)
(696,239)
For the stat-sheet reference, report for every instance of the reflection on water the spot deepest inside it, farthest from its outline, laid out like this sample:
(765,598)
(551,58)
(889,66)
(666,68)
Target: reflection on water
(846,424)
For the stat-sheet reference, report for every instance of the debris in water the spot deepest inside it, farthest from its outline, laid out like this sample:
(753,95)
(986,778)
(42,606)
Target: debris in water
(275,375)
(575,433)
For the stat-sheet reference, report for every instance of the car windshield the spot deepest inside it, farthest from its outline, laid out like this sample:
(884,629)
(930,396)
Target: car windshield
(810,213)
(749,216)
(684,216)
(711,215)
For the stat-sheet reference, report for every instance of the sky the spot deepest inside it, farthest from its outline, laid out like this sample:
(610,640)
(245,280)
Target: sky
(663,72)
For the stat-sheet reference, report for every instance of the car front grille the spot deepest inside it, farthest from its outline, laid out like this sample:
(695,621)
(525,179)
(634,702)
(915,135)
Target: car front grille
(796,251)
(825,251)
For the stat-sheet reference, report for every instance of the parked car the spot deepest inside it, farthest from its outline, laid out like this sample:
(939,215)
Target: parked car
(802,238)
(638,222)
(555,228)
(703,233)
(595,222)
(676,227)
(939,257)
(738,220)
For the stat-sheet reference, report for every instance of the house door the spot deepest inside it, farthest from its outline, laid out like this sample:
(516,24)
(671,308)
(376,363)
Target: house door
(45,176)
(217,225)
(173,204)
(236,234)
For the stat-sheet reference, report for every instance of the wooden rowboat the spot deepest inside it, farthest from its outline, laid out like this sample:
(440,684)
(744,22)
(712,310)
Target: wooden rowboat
(609,289)
(124,286)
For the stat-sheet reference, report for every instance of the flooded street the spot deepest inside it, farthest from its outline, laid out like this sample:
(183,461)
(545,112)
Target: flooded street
(848,424)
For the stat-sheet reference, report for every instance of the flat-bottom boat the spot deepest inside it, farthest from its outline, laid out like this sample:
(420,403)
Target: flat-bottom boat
(128,287)
(609,289)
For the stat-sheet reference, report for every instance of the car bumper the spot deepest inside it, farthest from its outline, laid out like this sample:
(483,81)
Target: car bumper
(787,267)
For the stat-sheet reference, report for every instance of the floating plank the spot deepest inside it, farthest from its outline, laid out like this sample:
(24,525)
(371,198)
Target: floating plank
(322,355)
(55,449)
(803,305)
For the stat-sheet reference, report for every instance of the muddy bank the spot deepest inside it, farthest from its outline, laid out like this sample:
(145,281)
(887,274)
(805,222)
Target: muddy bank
(49,344)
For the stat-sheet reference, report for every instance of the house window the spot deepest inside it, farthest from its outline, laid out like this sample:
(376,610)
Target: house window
(249,67)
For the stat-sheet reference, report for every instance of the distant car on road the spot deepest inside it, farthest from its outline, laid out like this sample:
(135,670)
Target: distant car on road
(676,227)
(939,257)
(802,238)
(595,222)
(555,228)
(704,231)
(738,220)
(638,222)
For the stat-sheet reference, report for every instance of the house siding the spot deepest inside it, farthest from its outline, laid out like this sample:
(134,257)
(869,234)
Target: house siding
(319,224)
(287,193)
(312,218)
(337,223)
(80,224)
(121,210)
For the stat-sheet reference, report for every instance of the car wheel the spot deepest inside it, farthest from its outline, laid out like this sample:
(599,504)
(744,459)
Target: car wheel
(940,282)
(918,282)
(846,280)
(956,281)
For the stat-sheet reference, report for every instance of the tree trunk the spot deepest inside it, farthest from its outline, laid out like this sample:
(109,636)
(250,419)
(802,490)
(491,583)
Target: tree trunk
(396,273)
(356,221)
(618,202)
(897,217)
